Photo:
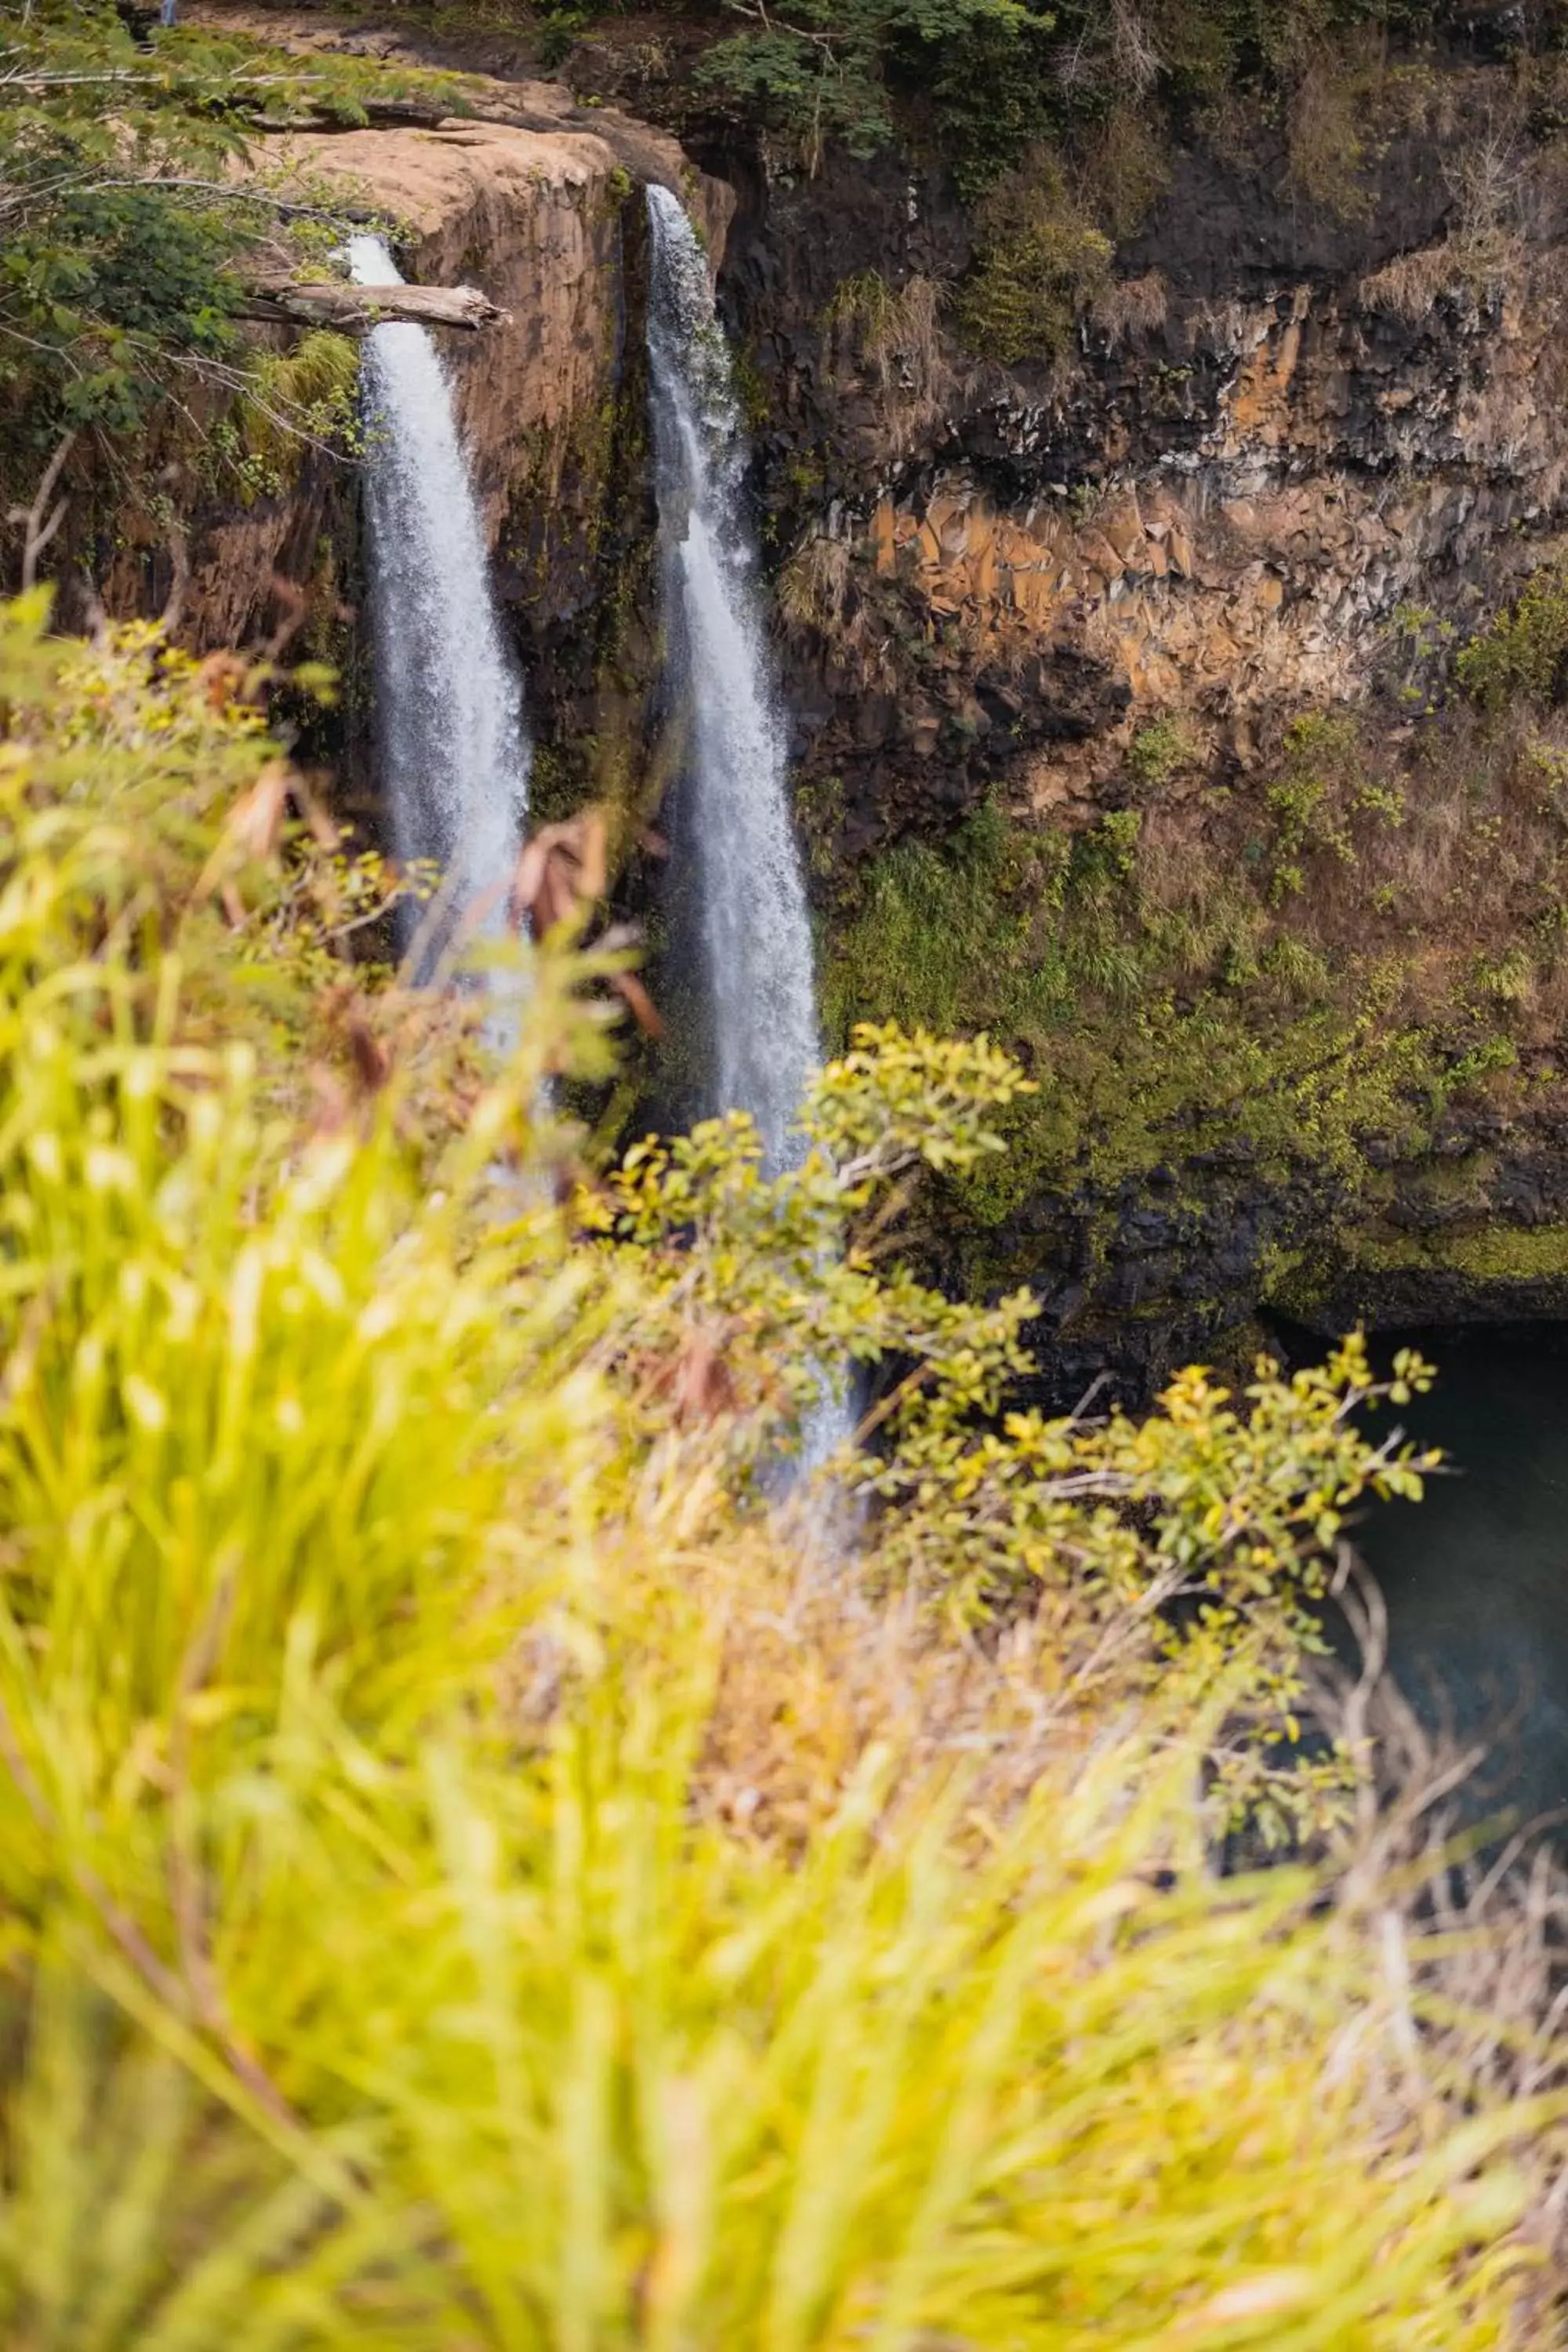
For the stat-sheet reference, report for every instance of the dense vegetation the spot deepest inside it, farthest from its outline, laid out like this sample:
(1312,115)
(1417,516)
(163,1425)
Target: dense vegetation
(989,78)
(1321,968)
(123,232)
(482,1862)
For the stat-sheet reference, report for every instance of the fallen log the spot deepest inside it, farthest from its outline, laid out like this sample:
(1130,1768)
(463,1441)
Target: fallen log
(354,309)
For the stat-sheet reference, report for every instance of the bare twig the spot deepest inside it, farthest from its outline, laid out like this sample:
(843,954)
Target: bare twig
(180,557)
(40,525)
(333,217)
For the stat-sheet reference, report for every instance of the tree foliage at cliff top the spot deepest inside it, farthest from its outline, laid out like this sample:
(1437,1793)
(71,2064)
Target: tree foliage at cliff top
(995,75)
(119,219)
(828,71)
(474,1873)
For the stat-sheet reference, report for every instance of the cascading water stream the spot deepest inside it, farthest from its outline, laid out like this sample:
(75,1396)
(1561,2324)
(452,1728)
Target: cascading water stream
(454,746)
(755,923)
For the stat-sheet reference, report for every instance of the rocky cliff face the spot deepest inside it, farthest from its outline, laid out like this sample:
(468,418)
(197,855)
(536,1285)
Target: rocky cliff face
(1272,435)
(1181,608)
(1129,724)
(535,219)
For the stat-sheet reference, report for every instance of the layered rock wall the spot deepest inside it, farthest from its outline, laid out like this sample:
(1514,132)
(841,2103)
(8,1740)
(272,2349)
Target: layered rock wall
(1304,1039)
(1290,463)
(1220,498)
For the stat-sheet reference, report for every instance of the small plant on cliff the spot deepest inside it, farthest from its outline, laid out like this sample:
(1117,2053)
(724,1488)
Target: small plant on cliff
(814,585)
(1420,654)
(1319,776)
(897,337)
(1159,752)
(1041,262)
(1523,656)
(1327,141)
(289,401)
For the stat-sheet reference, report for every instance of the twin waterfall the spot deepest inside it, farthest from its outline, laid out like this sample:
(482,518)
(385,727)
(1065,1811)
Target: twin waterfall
(453,744)
(755,923)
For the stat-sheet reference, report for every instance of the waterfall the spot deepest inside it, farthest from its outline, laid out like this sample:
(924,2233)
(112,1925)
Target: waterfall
(754,926)
(454,748)
(754,922)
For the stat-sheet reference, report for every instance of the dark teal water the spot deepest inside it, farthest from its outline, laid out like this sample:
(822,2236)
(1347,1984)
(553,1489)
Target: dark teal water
(1476,1577)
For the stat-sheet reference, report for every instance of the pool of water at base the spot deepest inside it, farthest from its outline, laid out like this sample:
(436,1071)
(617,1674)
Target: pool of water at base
(1476,1577)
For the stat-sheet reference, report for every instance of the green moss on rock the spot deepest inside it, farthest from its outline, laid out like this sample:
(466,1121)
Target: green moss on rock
(1042,259)
(1154,1036)
(1490,1254)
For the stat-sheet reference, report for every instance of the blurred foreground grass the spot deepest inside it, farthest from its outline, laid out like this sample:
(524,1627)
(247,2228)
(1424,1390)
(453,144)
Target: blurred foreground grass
(481,1869)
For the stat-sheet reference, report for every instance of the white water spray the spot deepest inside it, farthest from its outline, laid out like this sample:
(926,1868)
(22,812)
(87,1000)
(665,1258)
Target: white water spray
(755,927)
(453,743)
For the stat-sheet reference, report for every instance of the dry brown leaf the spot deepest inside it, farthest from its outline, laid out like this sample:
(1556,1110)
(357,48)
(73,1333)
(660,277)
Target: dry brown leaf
(562,867)
(562,870)
(256,822)
(225,679)
(529,879)
(698,1380)
(645,1012)
(331,1101)
(251,836)
(372,1062)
